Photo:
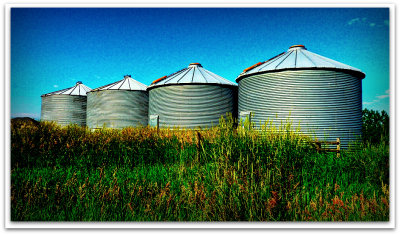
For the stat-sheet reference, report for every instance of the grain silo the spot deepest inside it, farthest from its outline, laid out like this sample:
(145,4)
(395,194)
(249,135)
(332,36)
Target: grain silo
(117,105)
(191,98)
(67,106)
(320,94)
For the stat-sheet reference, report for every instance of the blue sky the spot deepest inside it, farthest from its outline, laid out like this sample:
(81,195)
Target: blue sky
(53,48)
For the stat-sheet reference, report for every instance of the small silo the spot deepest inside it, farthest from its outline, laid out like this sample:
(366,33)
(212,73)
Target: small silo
(67,106)
(320,94)
(117,105)
(191,98)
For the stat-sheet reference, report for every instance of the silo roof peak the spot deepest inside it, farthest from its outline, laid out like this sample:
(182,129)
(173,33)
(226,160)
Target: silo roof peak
(194,74)
(79,89)
(298,57)
(128,83)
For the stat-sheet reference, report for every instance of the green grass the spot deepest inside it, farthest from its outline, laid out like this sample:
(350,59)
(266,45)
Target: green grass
(220,174)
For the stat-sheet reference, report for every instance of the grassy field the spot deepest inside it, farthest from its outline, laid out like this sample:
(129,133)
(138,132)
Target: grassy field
(220,174)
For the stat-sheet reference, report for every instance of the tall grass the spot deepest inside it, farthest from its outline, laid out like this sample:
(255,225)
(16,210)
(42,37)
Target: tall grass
(220,174)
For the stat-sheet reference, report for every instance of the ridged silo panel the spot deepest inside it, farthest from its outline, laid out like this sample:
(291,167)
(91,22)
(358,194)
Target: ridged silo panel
(117,108)
(192,106)
(64,109)
(326,104)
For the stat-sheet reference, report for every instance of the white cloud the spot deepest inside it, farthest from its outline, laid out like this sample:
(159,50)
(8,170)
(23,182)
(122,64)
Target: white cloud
(382,96)
(370,103)
(353,21)
(367,103)
(365,22)
(379,97)
(55,86)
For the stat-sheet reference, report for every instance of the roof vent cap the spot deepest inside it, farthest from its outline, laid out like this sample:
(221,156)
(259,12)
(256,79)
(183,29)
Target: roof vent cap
(78,82)
(195,65)
(297,47)
(127,76)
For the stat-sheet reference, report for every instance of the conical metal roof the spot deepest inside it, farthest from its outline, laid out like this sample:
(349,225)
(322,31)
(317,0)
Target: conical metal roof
(298,57)
(128,83)
(78,89)
(193,74)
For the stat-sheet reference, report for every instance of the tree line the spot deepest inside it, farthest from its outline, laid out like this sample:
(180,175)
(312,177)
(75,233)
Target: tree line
(375,126)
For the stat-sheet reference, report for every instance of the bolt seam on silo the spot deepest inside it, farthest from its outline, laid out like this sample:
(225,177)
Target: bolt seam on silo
(173,75)
(309,59)
(284,59)
(269,61)
(183,75)
(194,69)
(129,84)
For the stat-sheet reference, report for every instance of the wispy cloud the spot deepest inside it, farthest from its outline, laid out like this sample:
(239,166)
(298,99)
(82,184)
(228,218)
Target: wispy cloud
(55,86)
(382,96)
(368,103)
(353,21)
(386,95)
(364,21)
(379,97)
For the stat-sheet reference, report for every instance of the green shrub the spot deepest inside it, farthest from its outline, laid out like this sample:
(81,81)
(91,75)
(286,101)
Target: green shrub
(375,126)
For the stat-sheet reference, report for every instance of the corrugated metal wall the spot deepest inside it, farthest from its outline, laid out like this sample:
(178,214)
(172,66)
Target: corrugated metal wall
(64,109)
(117,108)
(326,103)
(192,106)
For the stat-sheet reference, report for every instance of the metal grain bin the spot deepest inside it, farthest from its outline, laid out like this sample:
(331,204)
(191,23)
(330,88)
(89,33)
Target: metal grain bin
(117,105)
(320,94)
(191,98)
(67,106)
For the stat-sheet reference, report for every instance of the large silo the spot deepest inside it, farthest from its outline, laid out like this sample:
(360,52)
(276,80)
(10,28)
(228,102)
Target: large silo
(320,94)
(67,106)
(191,98)
(117,105)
